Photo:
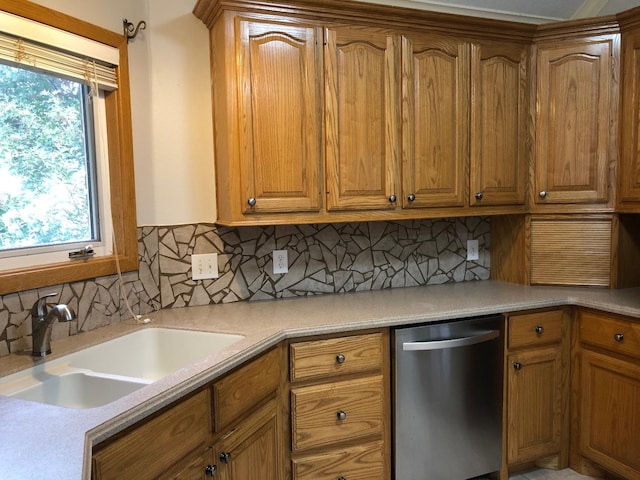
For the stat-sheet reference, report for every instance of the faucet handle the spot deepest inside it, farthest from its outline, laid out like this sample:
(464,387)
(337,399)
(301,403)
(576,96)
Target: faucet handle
(39,308)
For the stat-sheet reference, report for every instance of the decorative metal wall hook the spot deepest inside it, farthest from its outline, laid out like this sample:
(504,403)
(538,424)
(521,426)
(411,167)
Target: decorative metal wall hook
(130,31)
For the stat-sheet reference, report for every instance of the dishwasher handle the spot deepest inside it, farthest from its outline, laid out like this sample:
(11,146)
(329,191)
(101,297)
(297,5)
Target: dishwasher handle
(452,343)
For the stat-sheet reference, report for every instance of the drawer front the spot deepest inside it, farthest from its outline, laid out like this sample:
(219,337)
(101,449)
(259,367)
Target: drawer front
(614,334)
(150,449)
(245,388)
(337,412)
(359,463)
(336,356)
(535,329)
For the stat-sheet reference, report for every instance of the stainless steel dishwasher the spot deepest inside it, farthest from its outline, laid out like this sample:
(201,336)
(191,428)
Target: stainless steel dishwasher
(448,399)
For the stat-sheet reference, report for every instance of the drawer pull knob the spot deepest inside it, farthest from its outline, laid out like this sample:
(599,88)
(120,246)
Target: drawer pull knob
(210,470)
(342,478)
(392,198)
(479,196)
(340,358)
(543,194)
(517,366)
(342,415)
(618,337)
(225,457)
(539,329)
(411,197)
(252,202)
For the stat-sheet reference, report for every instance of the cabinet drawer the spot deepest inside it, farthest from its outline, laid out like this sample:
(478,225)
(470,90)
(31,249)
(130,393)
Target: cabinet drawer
(148,450)
(614,334)
(238,392)
(336,356)
(316,412)
(359,463)
(535,329)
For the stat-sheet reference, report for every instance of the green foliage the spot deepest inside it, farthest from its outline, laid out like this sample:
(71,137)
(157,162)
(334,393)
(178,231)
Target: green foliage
(44,190)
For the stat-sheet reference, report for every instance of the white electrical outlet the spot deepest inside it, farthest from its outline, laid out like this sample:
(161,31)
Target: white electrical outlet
(472,250)
(280,261)
(204,266)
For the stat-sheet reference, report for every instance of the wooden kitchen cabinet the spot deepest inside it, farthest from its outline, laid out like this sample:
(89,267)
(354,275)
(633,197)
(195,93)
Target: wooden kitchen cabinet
(232,429)
(361,118)
(498,138)
(608,393)
(576,101)
(266,80)
(340,414)
(537,372)
(435,121)
(168,442)
(629,165)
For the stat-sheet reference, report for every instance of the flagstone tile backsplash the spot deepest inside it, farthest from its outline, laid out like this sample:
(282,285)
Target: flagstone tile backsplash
(327,258)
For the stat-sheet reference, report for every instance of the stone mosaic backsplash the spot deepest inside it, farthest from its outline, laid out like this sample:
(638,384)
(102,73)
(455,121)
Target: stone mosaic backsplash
(324,258)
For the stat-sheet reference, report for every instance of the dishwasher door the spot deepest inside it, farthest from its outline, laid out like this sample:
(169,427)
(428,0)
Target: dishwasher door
(448,399)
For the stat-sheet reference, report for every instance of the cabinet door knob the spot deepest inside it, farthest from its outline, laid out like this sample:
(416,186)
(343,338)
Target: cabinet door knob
(342,415)
(411,197)
(340,358)
(210,470)
(225,457)
(342,478)
(543,194)
(392,198)
(539,329)
(479,196)
(252,202)
(618,337)
(517,365)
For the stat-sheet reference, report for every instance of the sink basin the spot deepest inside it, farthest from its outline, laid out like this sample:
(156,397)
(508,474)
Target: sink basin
(79,390)
(105,372)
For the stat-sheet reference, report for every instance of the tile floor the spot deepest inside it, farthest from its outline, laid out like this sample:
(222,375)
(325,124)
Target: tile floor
(544,474)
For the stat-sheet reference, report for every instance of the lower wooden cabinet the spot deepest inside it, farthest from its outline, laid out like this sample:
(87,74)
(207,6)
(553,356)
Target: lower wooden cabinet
(537,387)
(230,430)
(609,392)
(252,450)
(340,412)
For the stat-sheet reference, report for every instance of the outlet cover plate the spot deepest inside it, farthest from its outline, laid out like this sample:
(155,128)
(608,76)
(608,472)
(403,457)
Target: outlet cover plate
(472,250)
(204,266)
(280,262)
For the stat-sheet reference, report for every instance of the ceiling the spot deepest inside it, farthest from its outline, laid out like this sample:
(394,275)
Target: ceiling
(528,11)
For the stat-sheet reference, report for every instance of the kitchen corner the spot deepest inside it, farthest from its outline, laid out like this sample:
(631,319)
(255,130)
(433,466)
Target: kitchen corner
(34,427)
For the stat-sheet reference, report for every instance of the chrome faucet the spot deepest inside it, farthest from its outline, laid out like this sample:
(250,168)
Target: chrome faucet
(42,319)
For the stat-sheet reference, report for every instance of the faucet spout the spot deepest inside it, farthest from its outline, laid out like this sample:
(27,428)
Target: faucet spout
(42,319)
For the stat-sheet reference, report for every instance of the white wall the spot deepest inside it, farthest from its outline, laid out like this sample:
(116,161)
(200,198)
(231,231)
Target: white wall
(171,105)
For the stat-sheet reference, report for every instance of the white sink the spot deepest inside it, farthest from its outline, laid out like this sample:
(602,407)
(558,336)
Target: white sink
(105,372)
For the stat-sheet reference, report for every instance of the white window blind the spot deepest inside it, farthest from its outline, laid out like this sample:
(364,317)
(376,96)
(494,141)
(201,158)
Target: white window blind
(51,50)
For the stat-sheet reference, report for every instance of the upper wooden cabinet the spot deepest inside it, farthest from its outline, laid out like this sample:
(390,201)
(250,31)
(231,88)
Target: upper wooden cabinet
(266,77)
(629,166)
(435,121)
(499,96)
(335,111)
(575,107)
(361,118)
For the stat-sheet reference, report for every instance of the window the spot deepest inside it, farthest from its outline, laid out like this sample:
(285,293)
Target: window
(65,149)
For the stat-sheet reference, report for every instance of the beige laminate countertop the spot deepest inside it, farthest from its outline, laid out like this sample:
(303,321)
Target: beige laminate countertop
(44,441)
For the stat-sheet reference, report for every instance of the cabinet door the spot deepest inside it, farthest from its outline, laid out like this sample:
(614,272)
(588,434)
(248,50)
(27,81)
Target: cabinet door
(252,450)
(361,95)
(279,120)
(573,122)
(435,121)
(498,165)
(534,404)
(629,173)
(610,413)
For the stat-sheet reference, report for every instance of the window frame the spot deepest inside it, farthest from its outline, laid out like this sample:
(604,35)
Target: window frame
(121,166)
